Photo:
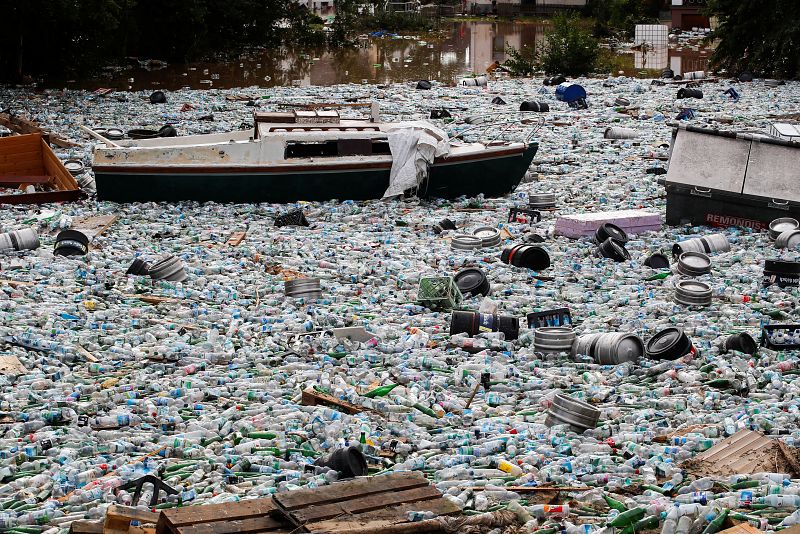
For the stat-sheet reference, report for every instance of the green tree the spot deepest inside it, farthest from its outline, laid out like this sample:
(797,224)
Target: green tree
(569,47)
(345,22)
(622,16)
(762,37)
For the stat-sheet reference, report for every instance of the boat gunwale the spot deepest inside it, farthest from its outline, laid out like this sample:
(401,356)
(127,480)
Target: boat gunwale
(384,162)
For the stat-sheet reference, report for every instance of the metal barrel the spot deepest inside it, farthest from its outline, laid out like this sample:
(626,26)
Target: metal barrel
(488,235)
(683,92)
(710,244)
(303,288)
(693,264)
(788,239)
(169,268)
(466,242)
(530,105)
(742,342)
(615,132)
(779,226)
(610,348)
(533,257)
(692,293)
(551,339)
(694,75)
(473,323)
(577,414)
(71,243)
(542,200)
(25,239)
(614,250)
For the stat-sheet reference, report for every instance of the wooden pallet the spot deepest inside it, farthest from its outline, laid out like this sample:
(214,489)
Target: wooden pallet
(363,505)
(251,516)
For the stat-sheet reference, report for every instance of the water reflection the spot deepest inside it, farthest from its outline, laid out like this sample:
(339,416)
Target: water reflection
(464,48)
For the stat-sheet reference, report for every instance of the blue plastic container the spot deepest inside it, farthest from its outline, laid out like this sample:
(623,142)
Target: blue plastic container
(570,92)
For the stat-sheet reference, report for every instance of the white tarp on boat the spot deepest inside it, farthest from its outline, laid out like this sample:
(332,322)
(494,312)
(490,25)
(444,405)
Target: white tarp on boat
(414,145)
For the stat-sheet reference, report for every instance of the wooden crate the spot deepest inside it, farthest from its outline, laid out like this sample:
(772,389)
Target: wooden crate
(251,516)
(29,156)
(363,505)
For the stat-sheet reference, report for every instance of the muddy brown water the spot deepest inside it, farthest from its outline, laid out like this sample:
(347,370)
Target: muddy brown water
(462,48)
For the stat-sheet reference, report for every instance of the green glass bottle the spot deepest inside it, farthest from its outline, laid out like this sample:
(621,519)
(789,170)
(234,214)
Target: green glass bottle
(628,518)
(716,524)
(648,523)
(615,504)
(380,391)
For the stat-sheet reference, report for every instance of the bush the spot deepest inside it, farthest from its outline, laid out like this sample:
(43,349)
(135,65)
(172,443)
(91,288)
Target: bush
(523,62)
(569,48)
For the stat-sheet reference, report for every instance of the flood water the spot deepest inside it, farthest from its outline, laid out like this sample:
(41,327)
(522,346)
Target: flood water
(462,48)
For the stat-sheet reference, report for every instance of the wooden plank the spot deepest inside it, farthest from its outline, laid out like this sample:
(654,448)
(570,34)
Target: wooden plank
(10,365)
(55,166)
(44,197)
(384,517)
(24,126)
(20,141)
(192,515)
(350,489)
(22,154)
(236,238)
(85,353)
(231,526)
(744,528)
(311,514)
(86,527)
(428,526)
(95,225)
(22,168)
(6,179)
(118,518)
(314,398)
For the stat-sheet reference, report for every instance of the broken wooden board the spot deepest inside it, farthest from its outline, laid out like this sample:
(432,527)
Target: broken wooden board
(10,365)
(95,225)
(666,438)
(256,515)
(118,520)
(364,504)
(310,397)
(23,126)
(743,528)
(236,238)
(745,452)
(86,527)
(86,354)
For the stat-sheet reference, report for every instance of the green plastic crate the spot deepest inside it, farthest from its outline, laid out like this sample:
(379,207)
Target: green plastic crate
(439,293)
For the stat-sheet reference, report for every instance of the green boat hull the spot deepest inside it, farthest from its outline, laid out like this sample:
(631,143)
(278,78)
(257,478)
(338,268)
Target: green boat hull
(492,176)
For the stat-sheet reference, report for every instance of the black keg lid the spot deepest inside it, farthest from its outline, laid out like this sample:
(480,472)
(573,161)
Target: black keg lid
(669,344)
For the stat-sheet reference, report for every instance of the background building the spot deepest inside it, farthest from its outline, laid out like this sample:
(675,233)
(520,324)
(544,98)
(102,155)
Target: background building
(688,14)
